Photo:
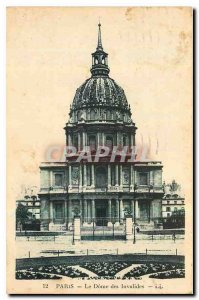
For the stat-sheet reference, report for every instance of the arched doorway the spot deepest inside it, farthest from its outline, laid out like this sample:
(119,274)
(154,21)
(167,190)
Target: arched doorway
(101,177)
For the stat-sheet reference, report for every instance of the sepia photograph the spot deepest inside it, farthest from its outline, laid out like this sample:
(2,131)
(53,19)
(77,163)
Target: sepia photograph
(99,150)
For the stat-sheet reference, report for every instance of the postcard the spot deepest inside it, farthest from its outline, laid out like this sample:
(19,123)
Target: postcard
(100,150)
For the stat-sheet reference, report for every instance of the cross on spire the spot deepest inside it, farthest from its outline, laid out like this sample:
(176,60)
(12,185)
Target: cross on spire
(99,58)
(99,44)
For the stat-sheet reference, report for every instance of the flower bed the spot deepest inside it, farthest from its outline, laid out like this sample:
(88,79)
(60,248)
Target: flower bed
(34,275)
(169,274)
(52,270)
(105,270)
(151,268)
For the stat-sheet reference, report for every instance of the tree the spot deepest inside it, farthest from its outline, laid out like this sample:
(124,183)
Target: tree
(22,214)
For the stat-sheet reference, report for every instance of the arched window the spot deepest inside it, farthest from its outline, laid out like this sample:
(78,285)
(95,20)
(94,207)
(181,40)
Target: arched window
(125,140)
(92,114)
(108,115)
(101,177)
(92,142)
(109,141)
(79,115)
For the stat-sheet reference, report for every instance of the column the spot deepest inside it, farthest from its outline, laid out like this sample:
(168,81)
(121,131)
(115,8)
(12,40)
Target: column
(85,211)
(85,176)
(69,139)
(79,141)
(137,214)
(109,176)
(118,140)
(135,177)
(132,177)
(65,211)
(89,213)
(132,207)
(84,140)
(149,211)
(51,178)
(80,176)
(103,139)
(80,209)
(117,212)
(109,213)
(51,211)
(132,139)
(116,175)
(121,211)
(129,228)
(93,175)
(151,178)
(98,139)
(93,209)
(77,229)
(70,173)
(69,212)
(121,184)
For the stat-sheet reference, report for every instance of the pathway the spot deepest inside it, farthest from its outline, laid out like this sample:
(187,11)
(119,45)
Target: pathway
(123,272)
(86,271)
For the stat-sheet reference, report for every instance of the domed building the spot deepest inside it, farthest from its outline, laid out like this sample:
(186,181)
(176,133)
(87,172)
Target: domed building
(101,180)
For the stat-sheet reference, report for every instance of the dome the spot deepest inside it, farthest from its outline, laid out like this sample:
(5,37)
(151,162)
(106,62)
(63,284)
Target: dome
(100,98)
(100,91)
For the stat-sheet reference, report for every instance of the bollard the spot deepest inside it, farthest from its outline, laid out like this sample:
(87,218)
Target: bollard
(28,238)
(28,254)
(117,251)
(176,252)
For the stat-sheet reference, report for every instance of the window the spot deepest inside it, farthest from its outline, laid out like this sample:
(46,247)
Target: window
(109,141)
(88,174)
(168,202)
(58,179)
(124,140)
(175,202)
(79,115)
(92,142)
(101,177)
(168,214)
(182,201)
(143,178)
(92,114)
(168,209)
(108,115)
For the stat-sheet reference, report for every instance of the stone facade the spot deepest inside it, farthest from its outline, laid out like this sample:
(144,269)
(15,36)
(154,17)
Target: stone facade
(173,200)
(100,190)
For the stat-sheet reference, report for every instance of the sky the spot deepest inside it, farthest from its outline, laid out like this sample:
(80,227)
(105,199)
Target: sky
(49,57)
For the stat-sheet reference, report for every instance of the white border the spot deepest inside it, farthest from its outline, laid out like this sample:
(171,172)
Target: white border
(3,5)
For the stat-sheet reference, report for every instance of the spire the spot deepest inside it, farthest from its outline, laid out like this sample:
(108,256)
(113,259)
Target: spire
(99,58)
(99,44)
